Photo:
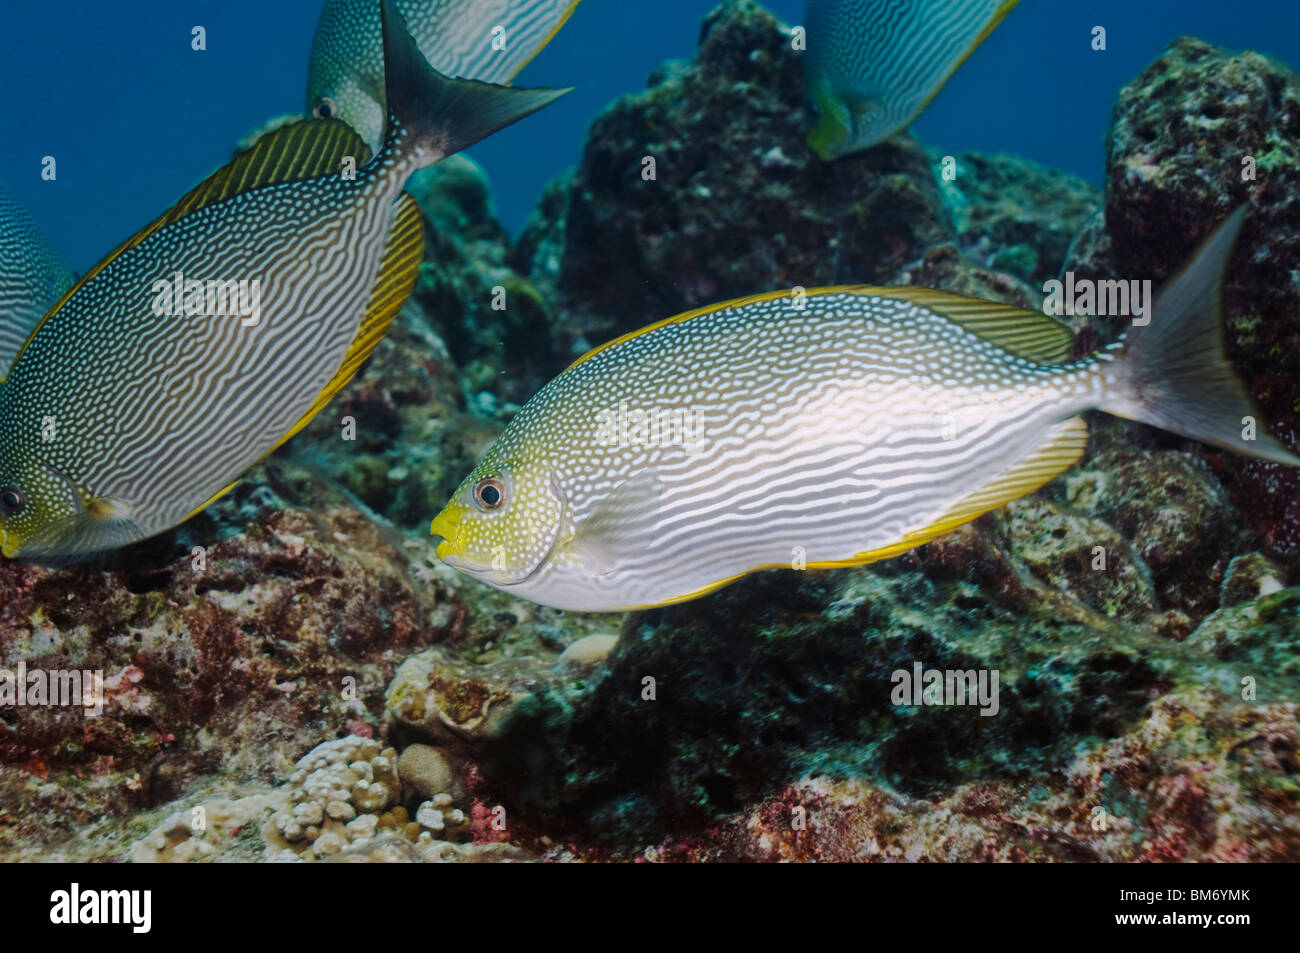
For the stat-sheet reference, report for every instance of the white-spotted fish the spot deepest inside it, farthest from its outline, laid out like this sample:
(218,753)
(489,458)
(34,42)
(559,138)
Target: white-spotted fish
(487,40)
(831,430)
(872,66)
(32,276)
(146,392)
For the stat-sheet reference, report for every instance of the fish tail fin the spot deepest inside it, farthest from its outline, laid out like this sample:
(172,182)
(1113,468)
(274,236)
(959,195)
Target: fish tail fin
(440,115)
(1173,372)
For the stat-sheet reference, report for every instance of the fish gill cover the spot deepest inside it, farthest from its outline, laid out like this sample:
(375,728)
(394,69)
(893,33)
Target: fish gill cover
(1106,668)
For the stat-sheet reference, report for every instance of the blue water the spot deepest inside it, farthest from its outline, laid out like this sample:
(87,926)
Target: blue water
(134,117)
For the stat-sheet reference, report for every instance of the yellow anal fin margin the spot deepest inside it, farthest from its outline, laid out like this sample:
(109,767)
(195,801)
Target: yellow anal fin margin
(212,499)
(564,18)
(398,269)
(1062,448)
(1005,7)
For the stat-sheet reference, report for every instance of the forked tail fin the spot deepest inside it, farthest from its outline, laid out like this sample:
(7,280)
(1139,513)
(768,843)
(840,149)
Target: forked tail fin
(440,114)
(1173,373)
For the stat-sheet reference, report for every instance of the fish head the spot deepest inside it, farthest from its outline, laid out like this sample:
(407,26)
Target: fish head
(48,516)
(346,77)
(35,501)
(502,523)
(352,99)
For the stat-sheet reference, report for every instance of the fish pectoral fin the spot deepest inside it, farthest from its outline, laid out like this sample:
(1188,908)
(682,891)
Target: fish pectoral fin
(103,508)
(80,536)
(864,106)
(1061,449)
(623,523)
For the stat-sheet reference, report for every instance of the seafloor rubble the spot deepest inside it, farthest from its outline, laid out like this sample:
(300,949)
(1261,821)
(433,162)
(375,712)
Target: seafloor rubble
(293,676)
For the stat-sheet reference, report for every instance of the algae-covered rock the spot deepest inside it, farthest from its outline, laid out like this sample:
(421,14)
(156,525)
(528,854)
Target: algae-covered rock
(1202,777)
(1013,215)
(230,657)
(705,704)
(703,188)
(1172,512)
(1199,132)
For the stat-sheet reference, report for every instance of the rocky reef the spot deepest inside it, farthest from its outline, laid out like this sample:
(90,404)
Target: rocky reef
(1198,133)
(293,676)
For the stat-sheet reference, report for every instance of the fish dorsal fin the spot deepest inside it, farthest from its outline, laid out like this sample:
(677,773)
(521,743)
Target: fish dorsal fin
(398,270)
(1031,335)
(32,277)
(301,150)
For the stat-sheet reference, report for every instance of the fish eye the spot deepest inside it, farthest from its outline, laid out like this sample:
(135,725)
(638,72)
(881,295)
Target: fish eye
(12,501)
(325,108)
(489,493)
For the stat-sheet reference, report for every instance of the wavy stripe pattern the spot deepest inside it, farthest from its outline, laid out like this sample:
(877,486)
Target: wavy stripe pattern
(153,413)
(32,276)
(825,433)
(886,59)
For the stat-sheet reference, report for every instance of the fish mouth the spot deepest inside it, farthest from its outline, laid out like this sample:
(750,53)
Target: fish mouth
(449,530)
(448,549)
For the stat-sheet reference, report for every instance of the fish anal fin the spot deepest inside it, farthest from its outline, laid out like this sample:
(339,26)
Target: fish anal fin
(559,23)
(1063,446)
(1005,7)
(398,270)
(212,499)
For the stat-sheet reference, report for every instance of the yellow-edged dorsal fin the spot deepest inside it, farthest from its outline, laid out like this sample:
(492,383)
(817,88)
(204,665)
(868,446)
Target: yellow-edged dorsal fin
(687,315)
(1031,335)
(300,150)
(398,270)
